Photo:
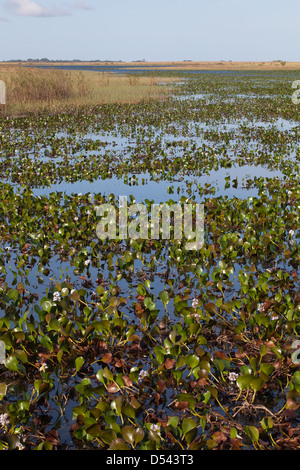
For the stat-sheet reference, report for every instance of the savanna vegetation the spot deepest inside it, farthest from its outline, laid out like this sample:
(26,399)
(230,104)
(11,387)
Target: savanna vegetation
(32,90)
(141,344)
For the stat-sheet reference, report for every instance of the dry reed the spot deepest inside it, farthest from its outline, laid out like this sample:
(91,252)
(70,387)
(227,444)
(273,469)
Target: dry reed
(36,90)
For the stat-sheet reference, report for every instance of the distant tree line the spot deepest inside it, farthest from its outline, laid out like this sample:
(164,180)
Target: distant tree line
(45,59)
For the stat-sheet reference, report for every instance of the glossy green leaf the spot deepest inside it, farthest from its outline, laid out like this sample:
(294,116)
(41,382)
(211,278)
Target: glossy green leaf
(79,363)
(11,363)
(252,432)
(118,444)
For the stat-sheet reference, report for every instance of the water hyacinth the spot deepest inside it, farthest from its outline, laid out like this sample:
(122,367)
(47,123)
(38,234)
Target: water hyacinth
(232,376)
(155,428)
(142,375)
(56,297)
(4,419)
(143,342)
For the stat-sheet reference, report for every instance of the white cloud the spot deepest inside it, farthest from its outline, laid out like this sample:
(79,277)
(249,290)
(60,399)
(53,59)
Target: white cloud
(32,8)
(82,6)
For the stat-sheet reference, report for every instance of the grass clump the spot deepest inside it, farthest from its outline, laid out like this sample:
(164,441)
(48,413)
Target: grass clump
(36,90)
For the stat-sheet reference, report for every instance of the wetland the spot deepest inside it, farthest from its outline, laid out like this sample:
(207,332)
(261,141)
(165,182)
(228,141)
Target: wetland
(141,344)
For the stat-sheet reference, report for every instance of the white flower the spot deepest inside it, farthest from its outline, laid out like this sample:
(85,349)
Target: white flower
(87,262)
(232,377)
(261,307)
(56,297)
(142,375)
(195,303)
(7,248)
(43,367)
(291,233)
(75,218)
(4,421)
(155,427)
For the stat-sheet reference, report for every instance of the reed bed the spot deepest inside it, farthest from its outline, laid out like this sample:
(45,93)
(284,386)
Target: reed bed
(36,90)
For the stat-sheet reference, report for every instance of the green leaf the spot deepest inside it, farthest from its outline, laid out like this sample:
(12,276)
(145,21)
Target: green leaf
(114,302)
(296,377)
(149,303)
(213,391)
(164,297)
(252,432)
(210,308)
(13,294)
(118,444)
(191,435)
(11,363)
(60,355)
(256,383)
(37,384)
(153,436)
(246,370)
(21,356)
(173,421)
(129,411)
(263,350)
(253,363)
(94,430)
(46,305)
(138,435)
(3,388)
(54,324)
(127,434)
(108,436)
(211,443)
(188,424)
(117,405)
(267,423)
(141,290)
(64,292)
(108,374)
(79,363)
(266,368)
(46,342)
(243,381)
(192,361)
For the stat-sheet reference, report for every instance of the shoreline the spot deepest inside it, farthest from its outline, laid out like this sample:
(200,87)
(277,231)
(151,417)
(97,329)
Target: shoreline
(171,65)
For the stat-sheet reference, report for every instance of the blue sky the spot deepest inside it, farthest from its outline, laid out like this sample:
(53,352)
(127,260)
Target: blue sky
(151,30)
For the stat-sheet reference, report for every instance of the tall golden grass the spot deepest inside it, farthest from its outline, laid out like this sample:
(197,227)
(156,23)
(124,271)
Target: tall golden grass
(36,90)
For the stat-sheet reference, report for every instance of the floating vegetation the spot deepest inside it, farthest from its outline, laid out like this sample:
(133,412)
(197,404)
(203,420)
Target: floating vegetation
(142,344)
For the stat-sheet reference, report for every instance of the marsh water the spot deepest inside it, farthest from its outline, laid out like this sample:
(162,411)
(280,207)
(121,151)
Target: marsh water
(228,140)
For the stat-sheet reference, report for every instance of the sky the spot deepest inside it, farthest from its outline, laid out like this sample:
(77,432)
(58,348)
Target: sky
(152,30)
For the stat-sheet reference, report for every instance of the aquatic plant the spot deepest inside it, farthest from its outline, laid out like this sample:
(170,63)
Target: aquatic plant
(142,344)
